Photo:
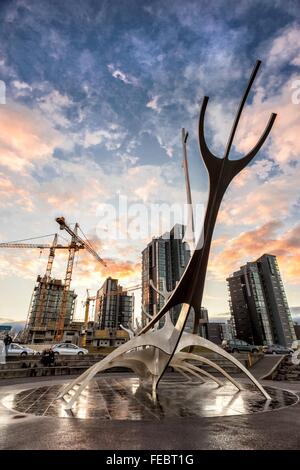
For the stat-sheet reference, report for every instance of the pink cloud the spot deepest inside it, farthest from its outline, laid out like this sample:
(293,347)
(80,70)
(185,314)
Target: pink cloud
(26,137)
(251,244)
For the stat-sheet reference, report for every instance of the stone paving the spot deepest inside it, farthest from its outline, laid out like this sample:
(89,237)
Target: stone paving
(122,398)
(121,417)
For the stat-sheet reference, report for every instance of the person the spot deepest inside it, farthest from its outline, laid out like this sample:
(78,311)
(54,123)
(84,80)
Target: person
(2,352)
(51,357)
(45,357)
(7,342)
(48,357)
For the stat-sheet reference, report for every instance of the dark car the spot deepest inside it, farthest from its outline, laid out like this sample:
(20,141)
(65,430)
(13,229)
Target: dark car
(237,345)
(277,349)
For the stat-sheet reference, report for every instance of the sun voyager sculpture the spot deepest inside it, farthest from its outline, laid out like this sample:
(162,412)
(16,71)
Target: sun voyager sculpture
(150,350)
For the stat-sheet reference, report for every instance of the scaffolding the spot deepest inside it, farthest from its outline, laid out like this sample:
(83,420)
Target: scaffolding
(51,293)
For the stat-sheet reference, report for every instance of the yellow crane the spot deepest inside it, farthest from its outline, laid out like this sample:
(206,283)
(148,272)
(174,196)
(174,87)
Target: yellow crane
(76,240)
(42,246)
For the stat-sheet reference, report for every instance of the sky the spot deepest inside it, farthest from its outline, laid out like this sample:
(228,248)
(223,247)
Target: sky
(96,95)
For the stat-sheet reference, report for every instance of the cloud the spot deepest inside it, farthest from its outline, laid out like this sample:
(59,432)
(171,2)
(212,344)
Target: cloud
(284,143)
(88,268)
(12,195)
(23,89)
(124,77)
(153,104)
(270,185)
(285,48)
(53,105)
(248,246)
(112,137)
(26,137)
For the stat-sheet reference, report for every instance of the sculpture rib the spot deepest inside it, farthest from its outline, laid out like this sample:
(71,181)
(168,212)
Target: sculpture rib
(175,362)
(191,356)
(189,371)
(184,374)
(169,340)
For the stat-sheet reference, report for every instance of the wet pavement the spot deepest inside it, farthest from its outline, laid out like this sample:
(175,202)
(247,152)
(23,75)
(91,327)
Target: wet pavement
(119,415)
(123,398)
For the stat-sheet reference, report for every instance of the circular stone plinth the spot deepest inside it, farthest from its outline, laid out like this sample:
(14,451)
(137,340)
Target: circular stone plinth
(110,398)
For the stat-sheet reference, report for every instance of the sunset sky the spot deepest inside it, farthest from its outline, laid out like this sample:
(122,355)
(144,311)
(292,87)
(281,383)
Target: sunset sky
(96,95)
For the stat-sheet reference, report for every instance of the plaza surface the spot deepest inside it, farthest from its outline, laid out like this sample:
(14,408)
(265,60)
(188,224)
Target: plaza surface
(116,414)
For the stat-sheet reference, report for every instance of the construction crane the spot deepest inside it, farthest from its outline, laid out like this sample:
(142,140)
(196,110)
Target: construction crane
(41,246)
(76,241)
(87,307)
(86,243)
(86,315)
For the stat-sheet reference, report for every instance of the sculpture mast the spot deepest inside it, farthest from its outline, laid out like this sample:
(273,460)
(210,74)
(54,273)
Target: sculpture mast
(190,229)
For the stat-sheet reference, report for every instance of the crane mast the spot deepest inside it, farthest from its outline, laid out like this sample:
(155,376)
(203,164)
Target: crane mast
(87,245)
(76,240)
(68,277)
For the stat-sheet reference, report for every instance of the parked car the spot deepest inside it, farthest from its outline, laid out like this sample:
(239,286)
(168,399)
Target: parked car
(277,349)
(237,345)
(15,349)
(296,344)
(68,348)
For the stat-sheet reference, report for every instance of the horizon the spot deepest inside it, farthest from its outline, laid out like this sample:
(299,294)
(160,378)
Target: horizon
(94,104)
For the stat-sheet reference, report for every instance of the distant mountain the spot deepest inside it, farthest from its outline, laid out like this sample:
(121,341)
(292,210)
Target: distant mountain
(16,325)
(219,319)
(223,317)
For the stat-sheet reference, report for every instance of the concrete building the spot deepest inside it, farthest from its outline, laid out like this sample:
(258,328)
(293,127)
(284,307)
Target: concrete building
(163,261)
(219,331)
(258,303)
(45,309)
(215,333)
(203,331)
(114,307)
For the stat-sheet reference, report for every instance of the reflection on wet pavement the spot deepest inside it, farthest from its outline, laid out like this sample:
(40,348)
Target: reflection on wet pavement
(124,399)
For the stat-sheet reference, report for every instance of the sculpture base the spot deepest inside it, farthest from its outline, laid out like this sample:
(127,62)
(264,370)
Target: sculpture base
(123,398)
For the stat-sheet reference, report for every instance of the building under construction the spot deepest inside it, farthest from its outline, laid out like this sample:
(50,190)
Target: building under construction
(53,303)
(45,308)
(114,307)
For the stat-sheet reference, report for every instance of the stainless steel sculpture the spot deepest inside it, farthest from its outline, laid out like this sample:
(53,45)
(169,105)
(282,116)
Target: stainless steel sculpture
(152,350)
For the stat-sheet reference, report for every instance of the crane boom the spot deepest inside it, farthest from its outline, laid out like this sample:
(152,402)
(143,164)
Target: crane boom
(63,226)
(41,246)
(76,240)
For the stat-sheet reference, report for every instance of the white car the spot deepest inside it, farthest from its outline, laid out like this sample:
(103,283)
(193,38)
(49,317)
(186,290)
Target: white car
(68,348)
(15,349)
(296,345)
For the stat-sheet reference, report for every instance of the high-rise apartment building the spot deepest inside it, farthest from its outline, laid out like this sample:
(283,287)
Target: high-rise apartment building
(259,305)
(163,261)
(114,307)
